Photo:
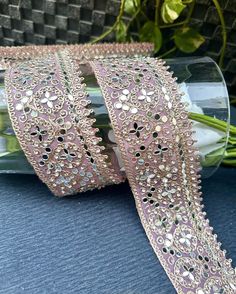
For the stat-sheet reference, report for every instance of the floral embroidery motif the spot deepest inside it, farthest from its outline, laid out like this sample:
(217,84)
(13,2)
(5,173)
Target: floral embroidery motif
(24,100)
(123,102)
(48,99)
(160,150)
(147,176)
(66,181)
(39,133)
(169,192)
(136,130)
(160,220)
(85,177)
(188,271)
(146,95)
(68,155)
(185,240)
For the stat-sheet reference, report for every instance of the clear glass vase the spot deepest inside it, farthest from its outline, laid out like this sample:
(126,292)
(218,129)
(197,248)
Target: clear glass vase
(204,88)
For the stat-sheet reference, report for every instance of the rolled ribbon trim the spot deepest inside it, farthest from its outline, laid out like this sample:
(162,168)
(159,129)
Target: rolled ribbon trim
(153,133)
(48,108)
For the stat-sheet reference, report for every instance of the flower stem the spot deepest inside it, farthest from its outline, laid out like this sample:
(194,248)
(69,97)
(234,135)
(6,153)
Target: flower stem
(190,12)
(133,18)
(230,153)
(157,12)
(213,122)
(229,162)
(118,19)
(223,32)
(175,24)
(168,52)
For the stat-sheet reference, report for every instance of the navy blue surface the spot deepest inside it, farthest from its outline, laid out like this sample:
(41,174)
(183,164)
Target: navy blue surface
(93,242)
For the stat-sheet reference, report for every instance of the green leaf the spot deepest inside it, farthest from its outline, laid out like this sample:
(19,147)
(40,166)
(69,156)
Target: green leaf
(187,39)
(171,9)
(121,32)
(187,1)
(150,32)
(131,6)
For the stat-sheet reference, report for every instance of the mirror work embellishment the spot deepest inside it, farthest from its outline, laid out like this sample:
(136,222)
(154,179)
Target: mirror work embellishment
(48,108)
(162,168)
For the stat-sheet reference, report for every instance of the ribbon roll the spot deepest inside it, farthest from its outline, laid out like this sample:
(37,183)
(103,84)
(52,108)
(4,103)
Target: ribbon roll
(48,108)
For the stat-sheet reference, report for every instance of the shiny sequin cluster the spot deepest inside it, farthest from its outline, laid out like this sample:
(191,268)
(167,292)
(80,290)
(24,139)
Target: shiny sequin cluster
(48,108)
(154,136)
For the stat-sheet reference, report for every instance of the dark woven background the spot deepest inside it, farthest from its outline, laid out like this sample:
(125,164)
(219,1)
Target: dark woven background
(77,21)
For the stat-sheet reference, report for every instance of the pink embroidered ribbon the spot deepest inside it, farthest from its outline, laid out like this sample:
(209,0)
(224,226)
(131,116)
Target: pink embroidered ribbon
(47,101)
(162,169)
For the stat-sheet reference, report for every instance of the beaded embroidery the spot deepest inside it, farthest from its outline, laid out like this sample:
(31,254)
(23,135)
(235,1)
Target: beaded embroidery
(48,108)
(153,134)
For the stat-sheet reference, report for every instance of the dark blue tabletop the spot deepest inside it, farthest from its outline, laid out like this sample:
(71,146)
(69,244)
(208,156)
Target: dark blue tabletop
(93,242)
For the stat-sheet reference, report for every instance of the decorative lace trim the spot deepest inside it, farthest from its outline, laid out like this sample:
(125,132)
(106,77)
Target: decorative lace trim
(153,133)
(11,55)
(48,109)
